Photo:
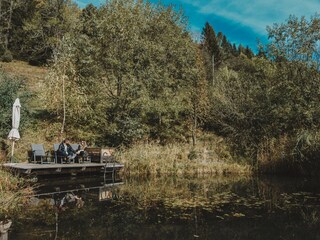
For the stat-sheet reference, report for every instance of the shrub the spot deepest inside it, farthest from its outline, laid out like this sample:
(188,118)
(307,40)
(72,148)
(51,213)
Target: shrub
(2,49)
(10,89)
(7,56)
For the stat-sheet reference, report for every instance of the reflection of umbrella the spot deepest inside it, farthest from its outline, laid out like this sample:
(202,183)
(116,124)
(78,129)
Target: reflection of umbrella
(14,133)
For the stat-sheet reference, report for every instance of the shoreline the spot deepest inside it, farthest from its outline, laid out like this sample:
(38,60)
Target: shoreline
(141,160)
(180,160)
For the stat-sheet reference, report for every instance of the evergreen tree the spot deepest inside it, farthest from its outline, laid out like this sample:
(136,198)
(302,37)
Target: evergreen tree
(211,50)
(210,42)
(220,38)
(261,53)
(248,52)
(225,43)
(241,50)
(88,20)
(234,50)
(226,47)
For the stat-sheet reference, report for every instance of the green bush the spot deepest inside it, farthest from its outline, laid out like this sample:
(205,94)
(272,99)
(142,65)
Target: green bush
(264,101)
(7,56)
(10,89)
(2,49)
(192,155)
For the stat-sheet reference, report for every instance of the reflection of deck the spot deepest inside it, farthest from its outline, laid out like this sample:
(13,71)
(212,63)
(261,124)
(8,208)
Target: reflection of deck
(85,189)
(55,169)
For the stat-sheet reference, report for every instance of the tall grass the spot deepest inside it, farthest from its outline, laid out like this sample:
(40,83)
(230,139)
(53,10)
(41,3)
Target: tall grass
(295,154)
(13,194)
(178,159)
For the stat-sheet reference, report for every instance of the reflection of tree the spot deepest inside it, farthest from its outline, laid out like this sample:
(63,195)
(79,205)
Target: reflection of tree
(61,205)
(57,224)
(220,208)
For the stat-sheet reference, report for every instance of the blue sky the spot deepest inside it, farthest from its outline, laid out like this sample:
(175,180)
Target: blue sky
(242,21)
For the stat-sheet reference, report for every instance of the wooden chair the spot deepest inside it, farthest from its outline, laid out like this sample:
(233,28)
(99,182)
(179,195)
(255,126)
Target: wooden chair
(38,153)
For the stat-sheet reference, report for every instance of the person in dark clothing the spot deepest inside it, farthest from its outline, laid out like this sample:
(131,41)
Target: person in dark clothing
(65,150)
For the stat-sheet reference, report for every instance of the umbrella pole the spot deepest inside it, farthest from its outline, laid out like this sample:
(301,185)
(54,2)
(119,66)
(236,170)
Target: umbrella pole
(12,150)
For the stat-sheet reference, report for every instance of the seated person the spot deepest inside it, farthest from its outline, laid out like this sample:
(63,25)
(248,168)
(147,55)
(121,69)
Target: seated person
(65,150)
(81,152)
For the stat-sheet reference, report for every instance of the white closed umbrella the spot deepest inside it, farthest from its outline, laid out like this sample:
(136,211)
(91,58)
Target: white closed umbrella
(14,133)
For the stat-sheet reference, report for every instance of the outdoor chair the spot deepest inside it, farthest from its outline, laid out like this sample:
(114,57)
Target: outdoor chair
(75,148)
(57,156)
(39,154)
(85,158)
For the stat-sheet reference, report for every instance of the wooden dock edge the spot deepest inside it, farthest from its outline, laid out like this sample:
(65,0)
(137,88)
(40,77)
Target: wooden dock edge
(61,169)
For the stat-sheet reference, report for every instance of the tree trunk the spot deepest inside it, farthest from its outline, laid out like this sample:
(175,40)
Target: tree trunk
(119,85)
(6,42)
(64,102)
(212,69)
(194,127)
(1,30)
(0,11)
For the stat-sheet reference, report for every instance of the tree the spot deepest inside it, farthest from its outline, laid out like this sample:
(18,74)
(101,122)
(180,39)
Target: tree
(226,48)
(88,20)
(211,51)
(241,49)
(23,11)
(296,40)
(6,11)
(198,96)
(63,96)
(248,52)
(234,50)
(50,22)
(134,68)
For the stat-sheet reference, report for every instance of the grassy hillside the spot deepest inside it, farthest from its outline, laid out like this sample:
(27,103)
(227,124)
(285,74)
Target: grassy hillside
(211,155)
(35,132)
(32,74)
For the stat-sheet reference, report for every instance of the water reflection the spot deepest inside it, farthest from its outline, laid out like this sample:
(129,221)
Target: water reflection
(173,208)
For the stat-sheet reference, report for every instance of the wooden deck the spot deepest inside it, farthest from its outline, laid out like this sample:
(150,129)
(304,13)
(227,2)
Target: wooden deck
(58,169)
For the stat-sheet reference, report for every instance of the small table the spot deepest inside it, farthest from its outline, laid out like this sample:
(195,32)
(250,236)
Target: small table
(94,153)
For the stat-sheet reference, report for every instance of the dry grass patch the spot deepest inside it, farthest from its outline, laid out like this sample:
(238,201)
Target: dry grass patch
(177,159)
(25,70)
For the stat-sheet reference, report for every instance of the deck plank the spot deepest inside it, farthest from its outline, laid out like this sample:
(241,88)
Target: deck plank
(49,169)
(27,166)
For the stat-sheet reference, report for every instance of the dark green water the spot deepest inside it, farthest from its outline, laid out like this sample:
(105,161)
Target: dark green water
(173,208)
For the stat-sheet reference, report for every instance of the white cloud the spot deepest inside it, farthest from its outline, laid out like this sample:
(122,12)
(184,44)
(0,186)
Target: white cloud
(256,14)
